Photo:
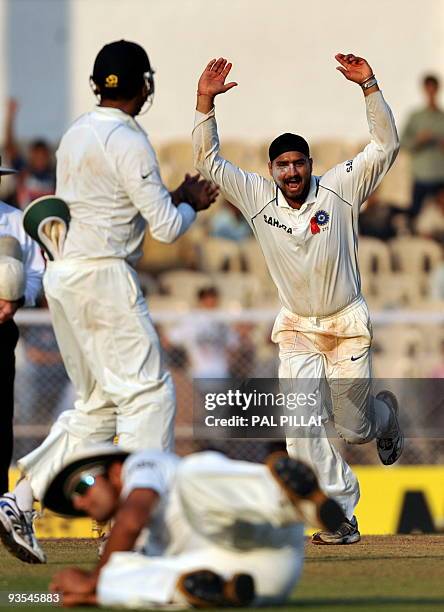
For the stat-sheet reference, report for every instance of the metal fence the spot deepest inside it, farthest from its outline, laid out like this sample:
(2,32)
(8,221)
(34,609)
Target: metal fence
(224,344)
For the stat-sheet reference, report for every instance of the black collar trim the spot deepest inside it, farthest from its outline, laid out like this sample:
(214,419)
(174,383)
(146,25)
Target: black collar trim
(263,208)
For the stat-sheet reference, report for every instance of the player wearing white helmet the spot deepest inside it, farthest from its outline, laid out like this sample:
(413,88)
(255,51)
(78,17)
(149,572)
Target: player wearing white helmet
(199,531)
(307,228)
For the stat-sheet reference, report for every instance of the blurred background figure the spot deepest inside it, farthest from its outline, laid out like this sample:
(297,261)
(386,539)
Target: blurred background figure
(423,137)
(430,221)
(228,222)
(380,219)
(36,170)
(206,341)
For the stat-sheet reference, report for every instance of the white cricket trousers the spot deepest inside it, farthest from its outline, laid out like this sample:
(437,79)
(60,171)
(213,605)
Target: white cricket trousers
(240,521)
(334,352)
(112,355)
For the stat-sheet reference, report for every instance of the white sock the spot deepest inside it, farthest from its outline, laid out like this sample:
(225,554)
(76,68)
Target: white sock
(23,495)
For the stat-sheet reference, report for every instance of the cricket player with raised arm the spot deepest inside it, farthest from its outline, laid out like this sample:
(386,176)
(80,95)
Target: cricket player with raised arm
(200,531)
(108,178)
(307,227)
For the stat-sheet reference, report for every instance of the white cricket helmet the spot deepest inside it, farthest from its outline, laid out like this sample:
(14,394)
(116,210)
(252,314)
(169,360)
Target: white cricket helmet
(46,220)
(12,272)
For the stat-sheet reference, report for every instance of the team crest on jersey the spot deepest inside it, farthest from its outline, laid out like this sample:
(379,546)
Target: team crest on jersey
(322,217)
(319,220)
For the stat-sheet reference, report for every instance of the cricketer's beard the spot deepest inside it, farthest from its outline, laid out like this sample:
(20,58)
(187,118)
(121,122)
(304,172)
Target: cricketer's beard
(297,198)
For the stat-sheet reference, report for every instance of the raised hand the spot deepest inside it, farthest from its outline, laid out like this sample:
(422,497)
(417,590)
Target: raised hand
(212,80)
(12,107)
(354,68)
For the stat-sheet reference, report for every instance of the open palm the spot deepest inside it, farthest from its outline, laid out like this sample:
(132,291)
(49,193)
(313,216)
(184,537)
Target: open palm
(354,68)
(212,80)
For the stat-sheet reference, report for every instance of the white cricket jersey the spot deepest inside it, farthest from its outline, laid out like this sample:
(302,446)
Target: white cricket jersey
(11,225)
(311,253)
(153,470)
(108,174)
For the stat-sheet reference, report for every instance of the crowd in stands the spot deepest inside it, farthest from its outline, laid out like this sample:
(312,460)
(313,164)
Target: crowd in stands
(219,265)
(34,163)
(389,213)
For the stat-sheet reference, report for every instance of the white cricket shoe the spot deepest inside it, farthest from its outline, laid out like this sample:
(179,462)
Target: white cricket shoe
(390,448)
(347,533)
(17,531)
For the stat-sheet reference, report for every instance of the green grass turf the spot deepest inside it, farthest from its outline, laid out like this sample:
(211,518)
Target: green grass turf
(380,574)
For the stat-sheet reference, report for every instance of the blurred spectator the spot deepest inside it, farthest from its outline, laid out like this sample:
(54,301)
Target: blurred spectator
(380,219)
(36,176)
(229,223)
(430,222)
(423,136)
(206,341)
(175,356)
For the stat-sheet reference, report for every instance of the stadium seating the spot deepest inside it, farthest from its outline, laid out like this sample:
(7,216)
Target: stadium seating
(395,187)
(414,255)
(243,154)
(184,284)
(239,288)
(328,153)
(254,259)
(163,303)
(374,257)
(218,254)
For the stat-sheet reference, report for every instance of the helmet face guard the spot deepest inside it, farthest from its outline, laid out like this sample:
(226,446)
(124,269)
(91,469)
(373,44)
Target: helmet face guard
(148,77)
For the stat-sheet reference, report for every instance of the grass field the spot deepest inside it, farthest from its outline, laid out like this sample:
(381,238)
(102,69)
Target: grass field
(380,574)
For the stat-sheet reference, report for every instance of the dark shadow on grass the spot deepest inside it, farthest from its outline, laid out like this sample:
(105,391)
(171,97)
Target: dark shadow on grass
(364,558)
(364,601)
(352,603)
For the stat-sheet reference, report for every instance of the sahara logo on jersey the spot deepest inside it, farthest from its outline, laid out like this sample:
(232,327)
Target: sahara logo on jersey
(275,223)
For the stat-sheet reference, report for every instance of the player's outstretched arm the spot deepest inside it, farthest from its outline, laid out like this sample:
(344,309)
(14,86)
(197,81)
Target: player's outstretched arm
(357,70)
(212,83)
(241,188)
(78,585)
(358,178)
